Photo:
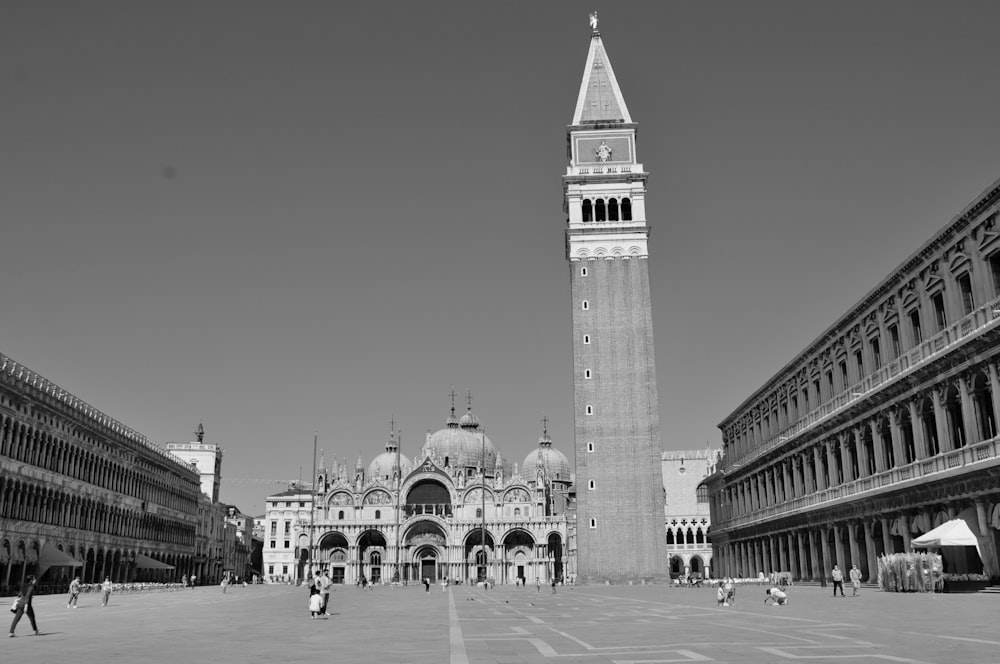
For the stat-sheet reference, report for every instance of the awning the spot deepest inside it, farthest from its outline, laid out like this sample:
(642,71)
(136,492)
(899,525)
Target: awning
(51,556)
(950,533)
(145,562)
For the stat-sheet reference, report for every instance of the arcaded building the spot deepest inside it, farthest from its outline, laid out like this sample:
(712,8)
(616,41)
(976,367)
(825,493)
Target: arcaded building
(686,511)
(882,428)
(81,493)
(394,519)
(616,415)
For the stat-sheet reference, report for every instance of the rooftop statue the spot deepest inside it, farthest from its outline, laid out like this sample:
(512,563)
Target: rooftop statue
(593,21)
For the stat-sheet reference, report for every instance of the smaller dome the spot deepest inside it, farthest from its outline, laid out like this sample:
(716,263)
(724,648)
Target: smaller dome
(469,421)
(382,465)
(555,462)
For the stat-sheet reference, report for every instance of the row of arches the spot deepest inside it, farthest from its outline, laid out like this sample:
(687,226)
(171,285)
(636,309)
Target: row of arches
(73,459)
(19,558)
(685,535)
(952,415)
(610,209)
(28,501)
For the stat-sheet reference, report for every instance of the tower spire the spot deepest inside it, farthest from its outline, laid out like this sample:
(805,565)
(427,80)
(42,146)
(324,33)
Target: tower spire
(600,99)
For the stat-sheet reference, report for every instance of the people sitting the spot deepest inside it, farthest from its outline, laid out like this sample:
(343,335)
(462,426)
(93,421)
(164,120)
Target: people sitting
(777,596)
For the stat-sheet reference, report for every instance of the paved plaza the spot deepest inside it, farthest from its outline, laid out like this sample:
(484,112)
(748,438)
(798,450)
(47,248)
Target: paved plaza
(592,625)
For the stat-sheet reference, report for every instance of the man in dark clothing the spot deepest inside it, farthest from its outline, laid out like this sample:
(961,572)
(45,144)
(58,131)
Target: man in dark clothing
(24,605)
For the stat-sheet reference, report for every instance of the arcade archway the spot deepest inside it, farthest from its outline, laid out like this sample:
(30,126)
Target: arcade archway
(424,545)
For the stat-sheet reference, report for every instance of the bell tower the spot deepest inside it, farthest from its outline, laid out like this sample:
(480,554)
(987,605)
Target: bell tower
(620,500)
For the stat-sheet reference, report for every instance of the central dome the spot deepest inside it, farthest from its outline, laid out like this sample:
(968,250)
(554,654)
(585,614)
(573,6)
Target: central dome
(462,442)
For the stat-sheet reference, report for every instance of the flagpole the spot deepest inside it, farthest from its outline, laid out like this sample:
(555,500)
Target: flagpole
(399,492)
(483,530)
(312,505)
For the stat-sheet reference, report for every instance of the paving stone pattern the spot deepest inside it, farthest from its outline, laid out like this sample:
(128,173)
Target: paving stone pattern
(508,625)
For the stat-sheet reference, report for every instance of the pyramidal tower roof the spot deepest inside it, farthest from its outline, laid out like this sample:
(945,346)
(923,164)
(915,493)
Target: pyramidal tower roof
(600,98)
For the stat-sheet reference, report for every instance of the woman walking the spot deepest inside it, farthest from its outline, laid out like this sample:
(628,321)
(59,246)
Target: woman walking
(24,605)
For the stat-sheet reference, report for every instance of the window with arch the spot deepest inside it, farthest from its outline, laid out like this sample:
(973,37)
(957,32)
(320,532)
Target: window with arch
(590,447)
(583,272)
(586,374)
(479,512)
(593,523)
(378,514)
(586,339)
(613,209)
(340,515)
(588,210)
(376,558)
(585,304)
(590,410)
(591,485)
(600,212)
(626,209)
(517,511)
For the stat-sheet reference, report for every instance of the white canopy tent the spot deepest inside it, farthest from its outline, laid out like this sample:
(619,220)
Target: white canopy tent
(950,533)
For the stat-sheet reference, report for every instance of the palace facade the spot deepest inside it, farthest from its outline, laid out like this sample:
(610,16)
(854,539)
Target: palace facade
(686,510)
(882,428)
(81,493)
(402,520)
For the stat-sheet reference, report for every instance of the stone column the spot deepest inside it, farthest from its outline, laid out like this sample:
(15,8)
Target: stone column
(886,536)
(896,433)
(787,485)
(917,424)
(831,464)
(852,538)
(877,443)
(994,388)
(804,571)
(782,542)
(862,451)
(970,425)
(870,550)
(817,461)
(817,559)
(824,543)
(987,541)
(845,457)
(793,561)
(838,547)
(941,421)
(796,463)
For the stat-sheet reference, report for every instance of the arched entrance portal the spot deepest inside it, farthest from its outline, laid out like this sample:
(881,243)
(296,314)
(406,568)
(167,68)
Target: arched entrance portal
(371,551)
(555,556)
(676,567)
(518,548)
(332,556)
(424,543)
(479,557)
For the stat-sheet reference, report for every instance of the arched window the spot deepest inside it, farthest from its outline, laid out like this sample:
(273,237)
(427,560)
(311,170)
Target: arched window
(517,511)
(376,558)
(670,537)
(613,209)
(588,210)
(479,512)
(599,212)
(340,515)
(378,514)
(626,210)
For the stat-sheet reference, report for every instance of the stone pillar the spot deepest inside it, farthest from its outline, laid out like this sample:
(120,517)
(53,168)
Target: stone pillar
(877,444)
(852,538)
(796,463)
(862,451)
(793,559)
(824,543)
(818,465)
(994,389)
(817,559)
(786,476)
(917,424)
(838,547)
(831,464)
(782,543)
(845,457)
(987,542)
(941,421)
(870,550)
(895,432)
(970,425)
(886,536)
(905,520)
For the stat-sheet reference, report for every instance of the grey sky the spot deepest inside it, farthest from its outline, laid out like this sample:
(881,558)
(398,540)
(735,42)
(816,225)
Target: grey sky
(277,218)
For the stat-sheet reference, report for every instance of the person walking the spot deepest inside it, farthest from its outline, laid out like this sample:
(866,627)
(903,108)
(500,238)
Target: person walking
(74,592)
(855,580)
(538,584)
(838,580)
(106,588)
(224,584)
(315,603)
(427,584)
(24,605)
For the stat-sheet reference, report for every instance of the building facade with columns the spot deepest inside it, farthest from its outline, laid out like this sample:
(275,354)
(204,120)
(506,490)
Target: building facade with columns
(686,510)
(882,428)
(83,494)
(397,519)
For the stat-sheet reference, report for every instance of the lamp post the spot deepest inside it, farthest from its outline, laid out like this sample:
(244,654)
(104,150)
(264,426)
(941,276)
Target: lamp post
(482,533)
(312,509)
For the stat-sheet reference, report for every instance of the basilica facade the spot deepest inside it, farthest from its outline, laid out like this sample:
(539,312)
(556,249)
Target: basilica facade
(457,511)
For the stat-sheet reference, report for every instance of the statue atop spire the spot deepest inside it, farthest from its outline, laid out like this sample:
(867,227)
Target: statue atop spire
(593,20)
(200,433)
